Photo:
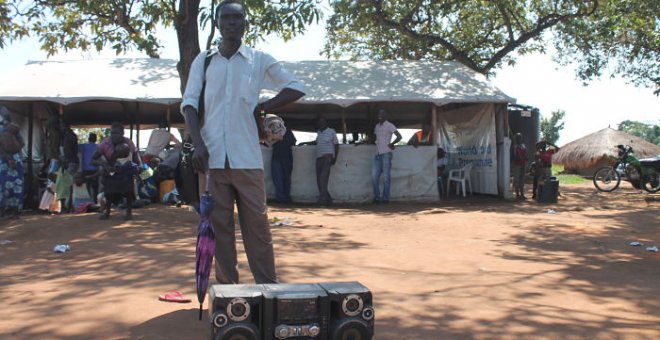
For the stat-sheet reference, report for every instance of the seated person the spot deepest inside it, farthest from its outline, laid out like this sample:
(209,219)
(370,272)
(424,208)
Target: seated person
(82,200)
(147,188)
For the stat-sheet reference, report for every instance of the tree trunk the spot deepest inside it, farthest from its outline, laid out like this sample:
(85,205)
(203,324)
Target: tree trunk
(187,32)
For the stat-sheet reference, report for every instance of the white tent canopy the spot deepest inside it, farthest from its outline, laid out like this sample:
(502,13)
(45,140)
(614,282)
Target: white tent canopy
(342,83)
(147,92)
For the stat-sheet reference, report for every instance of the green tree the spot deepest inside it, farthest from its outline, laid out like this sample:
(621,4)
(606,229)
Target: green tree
(648,132)
(484,34)
(83,134)
(622,37)
(550,127)
(124,25)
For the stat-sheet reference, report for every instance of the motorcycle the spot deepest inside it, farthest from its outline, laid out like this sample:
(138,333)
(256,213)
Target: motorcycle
(641,173)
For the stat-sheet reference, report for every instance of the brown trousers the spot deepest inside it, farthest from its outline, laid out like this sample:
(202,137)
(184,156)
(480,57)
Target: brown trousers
(246,188)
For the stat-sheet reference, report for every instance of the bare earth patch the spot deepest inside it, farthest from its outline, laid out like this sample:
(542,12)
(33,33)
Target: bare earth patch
(464,268)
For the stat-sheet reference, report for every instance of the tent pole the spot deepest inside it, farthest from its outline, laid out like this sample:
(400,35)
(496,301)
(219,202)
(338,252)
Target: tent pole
(434,123)
(137,132)
(132,120)
(343,124)
(167,118)
(29,192)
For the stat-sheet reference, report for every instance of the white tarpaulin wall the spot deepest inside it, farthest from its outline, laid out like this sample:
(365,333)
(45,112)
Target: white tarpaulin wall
(413,174)
(468,136)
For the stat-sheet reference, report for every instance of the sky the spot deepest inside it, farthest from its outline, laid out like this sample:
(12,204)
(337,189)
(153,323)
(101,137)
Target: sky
(534,80)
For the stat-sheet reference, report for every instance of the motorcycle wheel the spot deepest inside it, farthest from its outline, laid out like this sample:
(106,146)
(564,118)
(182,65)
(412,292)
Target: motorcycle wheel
(652,183)
(607,179)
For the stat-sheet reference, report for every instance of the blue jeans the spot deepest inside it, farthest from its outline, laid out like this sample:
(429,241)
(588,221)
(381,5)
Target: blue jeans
(281,173)
(382,165)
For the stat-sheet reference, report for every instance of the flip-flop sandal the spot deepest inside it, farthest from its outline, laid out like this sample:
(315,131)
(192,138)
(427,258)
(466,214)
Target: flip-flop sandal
(173,296)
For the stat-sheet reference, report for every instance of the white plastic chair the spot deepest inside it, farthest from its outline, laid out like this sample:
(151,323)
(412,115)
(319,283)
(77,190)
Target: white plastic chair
(461,176)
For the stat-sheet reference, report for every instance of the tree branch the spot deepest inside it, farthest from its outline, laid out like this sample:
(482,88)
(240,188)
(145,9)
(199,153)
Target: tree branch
(507,20)
(457,54)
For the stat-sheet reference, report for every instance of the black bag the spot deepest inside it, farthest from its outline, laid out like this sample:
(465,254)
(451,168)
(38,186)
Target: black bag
(185,178)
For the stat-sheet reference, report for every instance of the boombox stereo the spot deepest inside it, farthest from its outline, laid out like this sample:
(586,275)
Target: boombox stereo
(317,311)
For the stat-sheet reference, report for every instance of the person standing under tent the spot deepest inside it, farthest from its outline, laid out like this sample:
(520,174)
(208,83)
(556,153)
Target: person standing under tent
(69,148)
(421,137)
(11,169)
(382,163)
(327,149)
(281,166)
(88,169)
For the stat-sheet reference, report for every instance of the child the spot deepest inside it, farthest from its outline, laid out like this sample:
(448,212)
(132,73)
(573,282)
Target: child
(63,188)
(81,197)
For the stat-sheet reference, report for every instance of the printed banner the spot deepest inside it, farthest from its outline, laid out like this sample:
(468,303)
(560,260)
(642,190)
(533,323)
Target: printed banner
(468,136)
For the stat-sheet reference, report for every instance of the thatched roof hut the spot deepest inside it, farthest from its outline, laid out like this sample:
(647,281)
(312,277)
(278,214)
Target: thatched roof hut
(586,154)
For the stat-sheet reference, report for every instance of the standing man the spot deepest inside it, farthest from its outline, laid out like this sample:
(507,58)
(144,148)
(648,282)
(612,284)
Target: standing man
(69,148)
(383,160)
(226,140)
(281,166)
(327,149)
(88,169)
(519,165)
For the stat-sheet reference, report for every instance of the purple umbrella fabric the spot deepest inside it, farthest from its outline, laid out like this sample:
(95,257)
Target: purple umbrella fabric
(205,246)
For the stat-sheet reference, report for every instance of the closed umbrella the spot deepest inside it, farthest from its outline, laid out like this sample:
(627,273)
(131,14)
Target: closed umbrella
(205,245)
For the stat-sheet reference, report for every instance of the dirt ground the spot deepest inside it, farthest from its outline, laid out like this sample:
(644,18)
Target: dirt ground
(463,268)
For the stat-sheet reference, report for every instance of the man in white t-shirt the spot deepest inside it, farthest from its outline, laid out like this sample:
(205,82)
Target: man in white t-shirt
(327,150)
(383,159)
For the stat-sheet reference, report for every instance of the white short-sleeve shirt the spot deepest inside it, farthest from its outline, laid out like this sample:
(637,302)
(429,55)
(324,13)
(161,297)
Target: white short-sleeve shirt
(232,92)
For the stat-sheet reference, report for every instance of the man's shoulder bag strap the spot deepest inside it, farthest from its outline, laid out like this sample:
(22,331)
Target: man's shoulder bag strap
(200,105)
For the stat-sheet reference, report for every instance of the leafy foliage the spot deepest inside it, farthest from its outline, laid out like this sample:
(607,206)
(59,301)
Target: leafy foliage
(83,134)
(486,34)
(123,25)
(479,34)
(622,37)
(550,127)
(648,132)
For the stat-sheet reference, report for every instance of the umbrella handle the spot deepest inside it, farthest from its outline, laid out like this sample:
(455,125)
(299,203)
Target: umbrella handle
(200,309)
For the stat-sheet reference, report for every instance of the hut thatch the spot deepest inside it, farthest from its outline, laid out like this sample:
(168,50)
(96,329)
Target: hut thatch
(587,154)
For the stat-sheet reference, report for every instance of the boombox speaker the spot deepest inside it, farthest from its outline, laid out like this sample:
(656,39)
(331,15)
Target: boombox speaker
(235,312)
(307,311)
(351,310)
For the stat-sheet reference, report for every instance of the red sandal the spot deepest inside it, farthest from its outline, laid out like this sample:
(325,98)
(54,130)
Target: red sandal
(173,296)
